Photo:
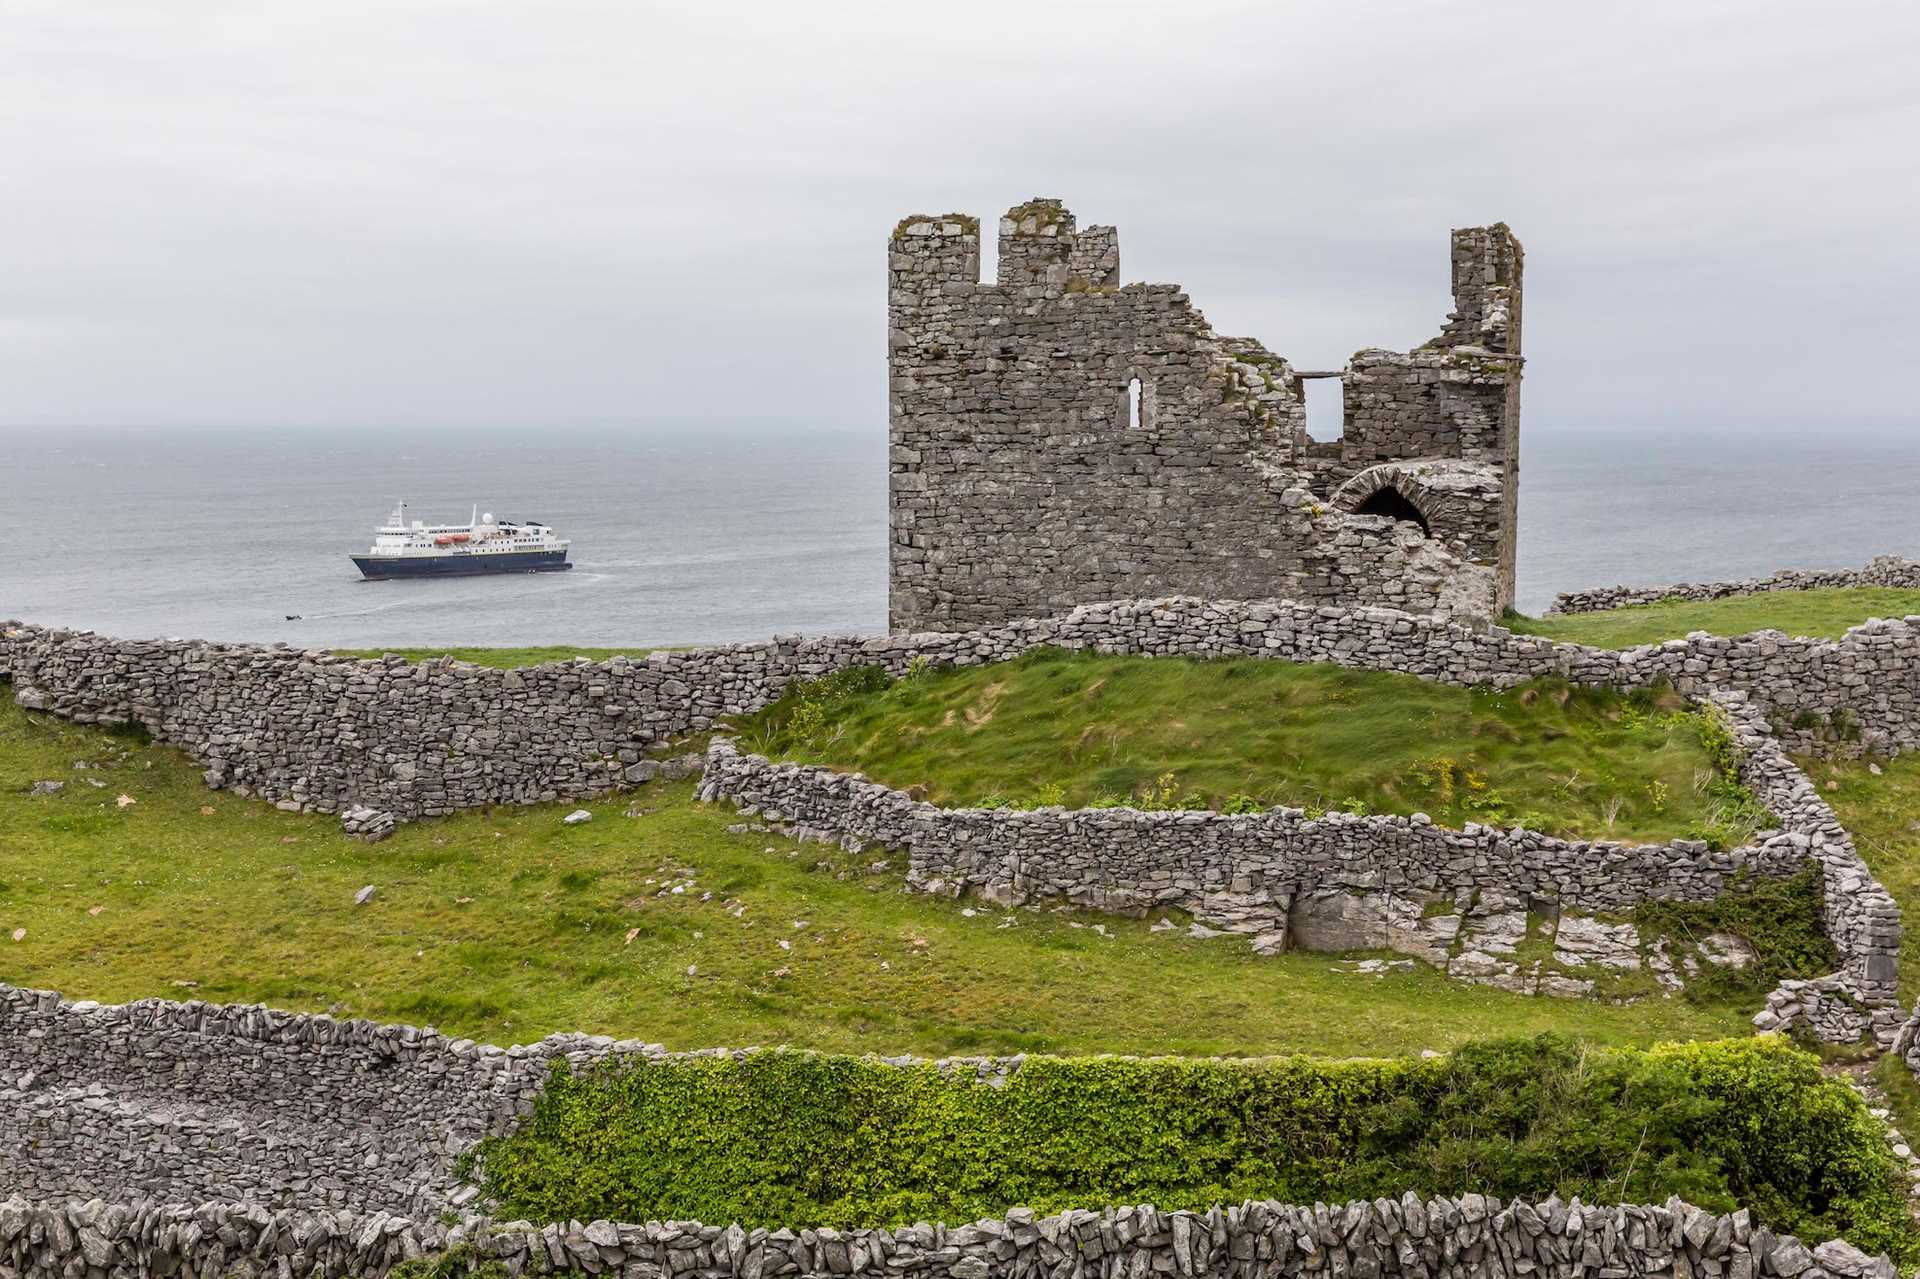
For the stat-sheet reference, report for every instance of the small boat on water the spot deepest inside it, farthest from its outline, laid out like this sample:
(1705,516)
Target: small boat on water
(403,548)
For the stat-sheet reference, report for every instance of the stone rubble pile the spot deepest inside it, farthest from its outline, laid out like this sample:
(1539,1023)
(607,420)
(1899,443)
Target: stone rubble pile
(1468,1237)
(364,822)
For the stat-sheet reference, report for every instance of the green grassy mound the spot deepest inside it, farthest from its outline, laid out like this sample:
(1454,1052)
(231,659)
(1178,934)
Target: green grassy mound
(506,926)
(1823,614)
(788,1139)
(1082,729)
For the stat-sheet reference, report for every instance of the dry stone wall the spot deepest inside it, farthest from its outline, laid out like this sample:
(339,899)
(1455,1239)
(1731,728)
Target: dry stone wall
(310,730)
(1253,873)
(1884,570)
(191,1102)
(1459,899)
(196,1101)
(1469,1237)
(1058,438)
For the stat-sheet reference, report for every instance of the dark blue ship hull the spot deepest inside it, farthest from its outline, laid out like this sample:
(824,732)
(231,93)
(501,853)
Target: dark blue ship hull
(462,565)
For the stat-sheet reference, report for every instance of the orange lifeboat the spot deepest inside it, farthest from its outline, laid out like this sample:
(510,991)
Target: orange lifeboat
(442,540)
(463,537)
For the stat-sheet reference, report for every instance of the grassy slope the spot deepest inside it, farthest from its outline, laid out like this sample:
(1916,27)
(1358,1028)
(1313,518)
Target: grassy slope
(506,658)
(254,904)
(1822,613)
(1313,736)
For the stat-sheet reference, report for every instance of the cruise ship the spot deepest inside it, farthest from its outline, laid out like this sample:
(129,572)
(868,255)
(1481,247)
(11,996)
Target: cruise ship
(403,548)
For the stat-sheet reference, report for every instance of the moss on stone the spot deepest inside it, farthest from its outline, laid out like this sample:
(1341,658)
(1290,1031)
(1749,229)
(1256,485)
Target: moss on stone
(969,225)
(1046,213)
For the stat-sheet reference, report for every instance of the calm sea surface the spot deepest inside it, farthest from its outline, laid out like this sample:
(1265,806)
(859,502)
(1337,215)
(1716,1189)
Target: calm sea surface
(688,536)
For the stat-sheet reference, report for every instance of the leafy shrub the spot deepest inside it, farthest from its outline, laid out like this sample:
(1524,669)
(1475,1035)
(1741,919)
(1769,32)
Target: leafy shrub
(795,1139)
(459,1262)
(1779,918)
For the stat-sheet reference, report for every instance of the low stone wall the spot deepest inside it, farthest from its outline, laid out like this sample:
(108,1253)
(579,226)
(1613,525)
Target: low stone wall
(309,730)
(1250,873)
(1883,570)
(192,1101)
(1859,914)
(1342,882)
(1469,1237)
(189,1102)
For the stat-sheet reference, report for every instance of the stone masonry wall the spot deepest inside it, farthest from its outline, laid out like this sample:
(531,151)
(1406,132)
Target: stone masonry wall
(1469,1237)
(1250,873)
(1057,438)
(193,1102)
(1883,570)
(188,1102)
(198,1101)
(308,729)
(1342,882)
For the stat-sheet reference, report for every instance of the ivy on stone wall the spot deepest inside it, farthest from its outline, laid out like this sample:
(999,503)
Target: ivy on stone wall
(1780,919)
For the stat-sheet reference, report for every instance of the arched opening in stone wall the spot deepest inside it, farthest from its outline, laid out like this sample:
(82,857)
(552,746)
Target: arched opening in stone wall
(1136,405)
(1392,503)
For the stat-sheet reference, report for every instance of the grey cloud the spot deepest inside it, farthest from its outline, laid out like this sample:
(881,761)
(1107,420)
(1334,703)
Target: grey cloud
(446,211)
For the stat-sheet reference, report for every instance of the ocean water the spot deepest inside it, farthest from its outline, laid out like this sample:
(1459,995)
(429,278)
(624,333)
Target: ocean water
(686,535)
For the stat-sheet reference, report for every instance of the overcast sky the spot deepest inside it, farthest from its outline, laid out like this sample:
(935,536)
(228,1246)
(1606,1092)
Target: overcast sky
(556,211)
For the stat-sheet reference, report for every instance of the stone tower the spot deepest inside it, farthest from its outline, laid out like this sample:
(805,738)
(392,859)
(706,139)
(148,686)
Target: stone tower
(1058,438)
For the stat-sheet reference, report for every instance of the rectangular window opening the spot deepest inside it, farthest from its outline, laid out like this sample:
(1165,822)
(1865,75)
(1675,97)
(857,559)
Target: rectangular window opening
(1326,408)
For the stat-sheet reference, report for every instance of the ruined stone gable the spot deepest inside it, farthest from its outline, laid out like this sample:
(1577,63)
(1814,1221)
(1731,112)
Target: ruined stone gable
(1058,438)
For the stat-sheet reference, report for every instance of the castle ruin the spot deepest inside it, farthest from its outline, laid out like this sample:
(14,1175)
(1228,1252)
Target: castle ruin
(1059,438)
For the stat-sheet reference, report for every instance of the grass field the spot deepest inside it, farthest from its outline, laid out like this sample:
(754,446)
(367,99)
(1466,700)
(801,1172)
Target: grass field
(1822,613)
(1080,728)
(507,925)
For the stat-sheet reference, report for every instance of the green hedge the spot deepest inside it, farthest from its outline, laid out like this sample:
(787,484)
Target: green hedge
(799,1139)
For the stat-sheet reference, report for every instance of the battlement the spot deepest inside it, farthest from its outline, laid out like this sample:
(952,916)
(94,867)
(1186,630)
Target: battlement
(1487,266)
(927,251)
(1058,437)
